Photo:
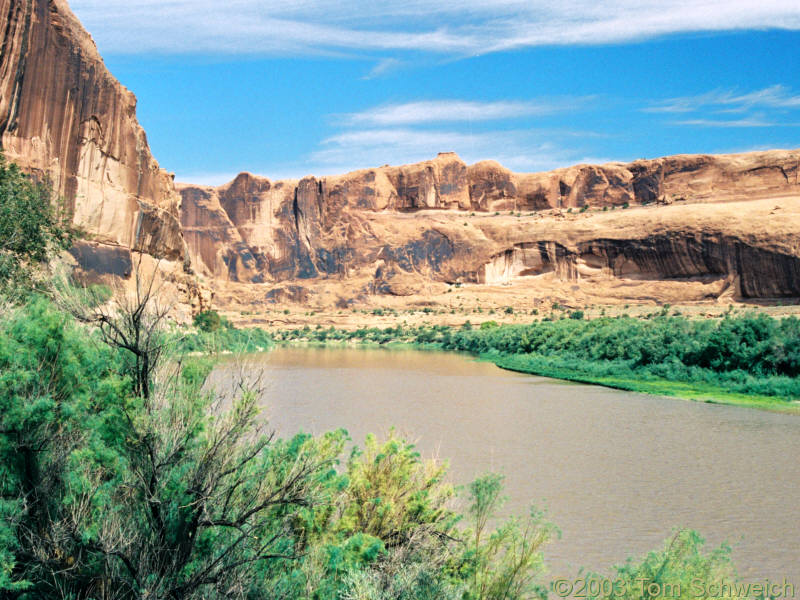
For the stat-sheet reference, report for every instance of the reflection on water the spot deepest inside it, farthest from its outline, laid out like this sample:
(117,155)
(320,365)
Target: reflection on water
(616,470)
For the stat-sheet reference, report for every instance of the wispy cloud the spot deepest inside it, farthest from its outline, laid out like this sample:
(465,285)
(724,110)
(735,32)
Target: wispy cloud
(726,123)
(518,150)
(459,27)
(383,67)
(767,107)
(773,97)
(442,111)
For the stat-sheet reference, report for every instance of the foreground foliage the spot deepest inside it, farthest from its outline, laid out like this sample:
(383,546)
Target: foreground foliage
(183,494)
(681,571)
(113,495)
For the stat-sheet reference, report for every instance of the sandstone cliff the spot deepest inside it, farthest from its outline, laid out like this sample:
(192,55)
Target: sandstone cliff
(394,230)
(63,115)
(675,228)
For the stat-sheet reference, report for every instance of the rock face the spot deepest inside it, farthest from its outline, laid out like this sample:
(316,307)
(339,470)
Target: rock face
(393,229)
(757,272)
(63,115)
(698,226)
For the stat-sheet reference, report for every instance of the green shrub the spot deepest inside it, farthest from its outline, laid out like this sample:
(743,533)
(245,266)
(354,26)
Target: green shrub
(208,321)
(33,227)
(752,354)
(681,571)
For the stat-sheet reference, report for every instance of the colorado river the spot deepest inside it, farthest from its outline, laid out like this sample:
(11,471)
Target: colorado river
(617,471)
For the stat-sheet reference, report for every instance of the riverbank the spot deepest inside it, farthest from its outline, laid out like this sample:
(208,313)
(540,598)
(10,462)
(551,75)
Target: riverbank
(749,360)
(658,387)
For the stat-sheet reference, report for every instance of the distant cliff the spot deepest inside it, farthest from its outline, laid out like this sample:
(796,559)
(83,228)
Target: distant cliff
(426,222)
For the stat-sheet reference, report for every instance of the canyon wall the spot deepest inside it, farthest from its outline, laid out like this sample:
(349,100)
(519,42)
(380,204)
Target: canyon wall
(394,228)
(63,116)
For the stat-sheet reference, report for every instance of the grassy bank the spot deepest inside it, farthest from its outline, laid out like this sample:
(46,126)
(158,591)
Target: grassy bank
(751,360)
(697,392)
(213,334)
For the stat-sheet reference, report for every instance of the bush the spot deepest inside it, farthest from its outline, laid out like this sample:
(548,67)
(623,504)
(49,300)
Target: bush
(751,354)
(33,227)
(681,571)
(104,489)
(208,321)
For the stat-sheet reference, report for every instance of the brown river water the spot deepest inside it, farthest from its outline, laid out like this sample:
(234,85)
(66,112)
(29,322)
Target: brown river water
(617,471)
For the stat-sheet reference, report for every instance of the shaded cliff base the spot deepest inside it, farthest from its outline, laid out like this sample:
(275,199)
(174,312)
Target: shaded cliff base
(114,266)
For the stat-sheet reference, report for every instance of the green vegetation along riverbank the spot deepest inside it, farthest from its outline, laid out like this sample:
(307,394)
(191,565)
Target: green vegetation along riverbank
(747,360)
(213,334)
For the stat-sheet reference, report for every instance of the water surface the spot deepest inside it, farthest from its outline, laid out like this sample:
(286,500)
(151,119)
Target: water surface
(616,470)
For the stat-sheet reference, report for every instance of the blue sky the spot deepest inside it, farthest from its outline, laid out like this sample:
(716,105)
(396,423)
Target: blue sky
(286,89)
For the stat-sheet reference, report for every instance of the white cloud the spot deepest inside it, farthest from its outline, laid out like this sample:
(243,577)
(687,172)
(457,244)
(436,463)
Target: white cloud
(383,67)
(520,151)
(441,111)
(767,107)
(773,97)
(747,122)
(455,27)
(776,96)
(524,151)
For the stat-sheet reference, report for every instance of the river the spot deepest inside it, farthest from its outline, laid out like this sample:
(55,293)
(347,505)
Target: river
(617,471)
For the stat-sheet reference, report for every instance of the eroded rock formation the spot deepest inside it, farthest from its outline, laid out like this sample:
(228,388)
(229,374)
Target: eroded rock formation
(63,115)
(400,227)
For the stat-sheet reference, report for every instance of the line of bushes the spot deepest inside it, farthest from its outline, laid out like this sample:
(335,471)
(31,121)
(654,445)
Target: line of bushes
(751,354)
